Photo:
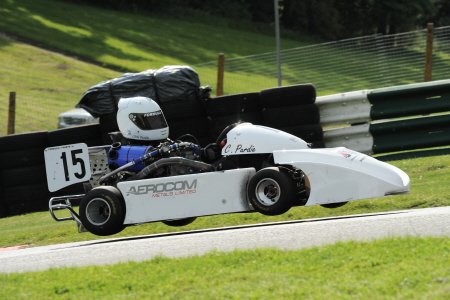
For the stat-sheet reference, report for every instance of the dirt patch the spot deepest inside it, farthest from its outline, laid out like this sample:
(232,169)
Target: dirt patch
(13,248)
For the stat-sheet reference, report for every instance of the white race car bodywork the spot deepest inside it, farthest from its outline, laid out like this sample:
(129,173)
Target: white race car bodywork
(335,175)
(342,175)
(185,196)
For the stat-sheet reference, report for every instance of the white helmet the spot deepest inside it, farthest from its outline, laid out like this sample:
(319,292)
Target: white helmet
(141,118)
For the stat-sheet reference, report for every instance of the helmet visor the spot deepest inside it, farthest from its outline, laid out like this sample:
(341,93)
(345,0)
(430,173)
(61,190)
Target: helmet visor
(149,121)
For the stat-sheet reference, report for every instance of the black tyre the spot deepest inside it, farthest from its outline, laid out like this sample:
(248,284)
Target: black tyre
(3,209)
(317,144)
(23,176)
(179,222)
(89,134)
(23,141)
(233,104)
(334,205)
(309,133)
(102,211)
(288,95)
(22,158)
(195,126)
(26,198)
(291,116)
(220,123)
(271,191)
(22,150)
(182,109)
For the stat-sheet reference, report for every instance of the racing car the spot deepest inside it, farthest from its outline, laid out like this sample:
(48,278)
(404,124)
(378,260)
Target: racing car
(249,168)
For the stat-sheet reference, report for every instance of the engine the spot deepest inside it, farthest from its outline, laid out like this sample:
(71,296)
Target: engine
(120,155)
(134,162)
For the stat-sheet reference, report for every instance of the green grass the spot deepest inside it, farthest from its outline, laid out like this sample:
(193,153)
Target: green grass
(134,41)
(46,84)
(408,268)
(428,189)
(130,41)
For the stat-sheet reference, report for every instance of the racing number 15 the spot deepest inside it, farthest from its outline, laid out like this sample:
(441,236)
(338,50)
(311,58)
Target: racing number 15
(75,161)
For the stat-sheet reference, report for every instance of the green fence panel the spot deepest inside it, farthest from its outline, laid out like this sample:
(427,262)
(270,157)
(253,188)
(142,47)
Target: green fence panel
(412,89)
(410,100)
(411,134)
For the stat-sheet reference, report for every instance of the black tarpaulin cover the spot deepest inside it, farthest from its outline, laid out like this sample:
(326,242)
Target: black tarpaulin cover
(167,84)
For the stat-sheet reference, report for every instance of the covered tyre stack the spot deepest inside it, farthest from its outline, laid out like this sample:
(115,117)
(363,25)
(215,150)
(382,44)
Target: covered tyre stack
(225,110)
(293,110)
(23,182)
(176,89)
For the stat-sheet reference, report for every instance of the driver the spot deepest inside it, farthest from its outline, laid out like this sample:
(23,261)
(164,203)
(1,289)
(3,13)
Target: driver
(141,119)
(142,122)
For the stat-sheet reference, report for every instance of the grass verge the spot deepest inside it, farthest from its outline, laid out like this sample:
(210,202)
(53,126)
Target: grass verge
(130,41)
(408,268)
(46,83)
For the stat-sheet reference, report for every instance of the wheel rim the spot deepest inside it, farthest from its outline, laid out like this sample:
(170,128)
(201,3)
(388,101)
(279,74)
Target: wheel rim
(267,191)
(98,211)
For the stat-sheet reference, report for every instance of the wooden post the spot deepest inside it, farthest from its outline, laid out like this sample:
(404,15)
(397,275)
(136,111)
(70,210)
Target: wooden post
(428,53)
(11,112)
(220,74)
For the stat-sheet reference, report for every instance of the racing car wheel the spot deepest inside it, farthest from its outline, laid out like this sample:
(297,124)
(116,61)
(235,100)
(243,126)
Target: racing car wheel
(179,222)
(102,211)
(271,191)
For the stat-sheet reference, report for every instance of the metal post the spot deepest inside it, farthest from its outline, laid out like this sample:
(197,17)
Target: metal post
(429,53)
(277,40)
(220,74)
(11,112)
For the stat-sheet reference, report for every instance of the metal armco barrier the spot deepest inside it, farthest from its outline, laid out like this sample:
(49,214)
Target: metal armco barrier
(354,137)
(344,108)
(381,133)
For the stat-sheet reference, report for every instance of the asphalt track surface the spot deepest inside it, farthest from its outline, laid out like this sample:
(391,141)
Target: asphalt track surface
(282,235)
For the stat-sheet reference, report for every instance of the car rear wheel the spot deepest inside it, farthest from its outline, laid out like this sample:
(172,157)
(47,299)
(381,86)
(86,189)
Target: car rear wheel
(271,191)
(102,211)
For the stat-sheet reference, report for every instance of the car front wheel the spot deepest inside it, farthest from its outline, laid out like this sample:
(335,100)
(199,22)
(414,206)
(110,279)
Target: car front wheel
(271,191)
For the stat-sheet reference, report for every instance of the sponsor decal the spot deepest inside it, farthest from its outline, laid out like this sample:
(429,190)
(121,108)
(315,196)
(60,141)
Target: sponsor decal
(152,114)
(165,189)
(239,149)
(345,154)
(352,155)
